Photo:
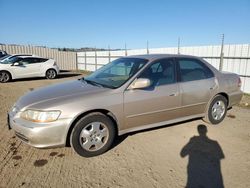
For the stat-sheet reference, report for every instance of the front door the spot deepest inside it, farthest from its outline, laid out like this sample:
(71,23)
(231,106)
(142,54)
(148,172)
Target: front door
(28,67)
(158,103)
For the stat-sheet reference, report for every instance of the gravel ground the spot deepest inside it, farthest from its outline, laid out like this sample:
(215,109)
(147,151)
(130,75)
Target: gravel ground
(171,156)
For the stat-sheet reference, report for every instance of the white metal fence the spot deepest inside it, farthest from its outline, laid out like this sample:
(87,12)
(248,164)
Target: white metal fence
(65,60)
(236,58)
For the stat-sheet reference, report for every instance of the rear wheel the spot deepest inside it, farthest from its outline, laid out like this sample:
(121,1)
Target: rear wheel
(217,110)
(93,135)
(51,74)
(4,76)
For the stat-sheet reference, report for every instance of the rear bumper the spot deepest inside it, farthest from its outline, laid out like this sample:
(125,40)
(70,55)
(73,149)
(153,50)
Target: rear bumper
(235,98)
(39,135)
(57,69)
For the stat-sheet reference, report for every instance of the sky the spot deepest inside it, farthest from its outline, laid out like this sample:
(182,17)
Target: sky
(103,23)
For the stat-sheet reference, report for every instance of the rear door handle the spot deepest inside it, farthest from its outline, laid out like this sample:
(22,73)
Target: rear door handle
(213,87)
(173,94)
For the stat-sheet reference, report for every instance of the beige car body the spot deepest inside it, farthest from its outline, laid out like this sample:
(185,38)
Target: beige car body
(131,109)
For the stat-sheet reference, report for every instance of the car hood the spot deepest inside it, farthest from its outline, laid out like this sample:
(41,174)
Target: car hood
(62,91)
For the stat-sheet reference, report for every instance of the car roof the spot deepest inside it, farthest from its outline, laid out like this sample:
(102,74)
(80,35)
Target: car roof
(24,55)
(151,57)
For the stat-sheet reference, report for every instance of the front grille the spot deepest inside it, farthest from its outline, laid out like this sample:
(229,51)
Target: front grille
(22,137)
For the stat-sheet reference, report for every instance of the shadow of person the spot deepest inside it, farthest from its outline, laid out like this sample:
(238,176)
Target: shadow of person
(203,168)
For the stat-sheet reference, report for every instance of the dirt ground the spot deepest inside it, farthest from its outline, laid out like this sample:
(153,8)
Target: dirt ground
(163,157)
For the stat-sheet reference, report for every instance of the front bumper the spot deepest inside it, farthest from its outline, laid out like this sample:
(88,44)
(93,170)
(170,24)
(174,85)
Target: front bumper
(40,135)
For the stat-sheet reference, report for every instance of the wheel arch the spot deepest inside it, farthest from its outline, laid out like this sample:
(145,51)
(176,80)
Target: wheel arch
(102,111)
(50,68)
(212,98)
(224,95)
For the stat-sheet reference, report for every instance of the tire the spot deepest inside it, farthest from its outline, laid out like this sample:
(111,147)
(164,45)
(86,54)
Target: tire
(217,110)
(93,135)
(51,74)
(5,76)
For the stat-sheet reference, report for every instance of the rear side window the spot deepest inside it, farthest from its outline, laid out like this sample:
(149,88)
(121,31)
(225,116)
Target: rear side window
(193,69)
(41,60)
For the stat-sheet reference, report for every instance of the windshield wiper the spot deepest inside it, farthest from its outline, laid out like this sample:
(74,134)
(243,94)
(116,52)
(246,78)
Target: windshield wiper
(96,83)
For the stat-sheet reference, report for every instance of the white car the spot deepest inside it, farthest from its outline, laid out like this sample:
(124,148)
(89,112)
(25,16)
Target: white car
(27,66)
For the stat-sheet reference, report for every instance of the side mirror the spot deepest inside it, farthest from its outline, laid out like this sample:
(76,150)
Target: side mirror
(140,83)
(17,64)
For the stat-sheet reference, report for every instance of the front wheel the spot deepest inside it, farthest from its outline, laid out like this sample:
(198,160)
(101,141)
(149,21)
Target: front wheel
(4,76)
(51,74)
(93,135)
(217,110)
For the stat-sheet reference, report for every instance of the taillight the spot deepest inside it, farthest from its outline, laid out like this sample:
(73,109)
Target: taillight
(239,82)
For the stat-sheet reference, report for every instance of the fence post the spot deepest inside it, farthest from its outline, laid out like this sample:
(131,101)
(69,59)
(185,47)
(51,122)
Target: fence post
(76,61)
(85,59)
(95,60)
(222,53)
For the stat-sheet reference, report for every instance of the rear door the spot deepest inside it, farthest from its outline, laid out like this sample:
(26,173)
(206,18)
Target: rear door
(196,84)
(158,103)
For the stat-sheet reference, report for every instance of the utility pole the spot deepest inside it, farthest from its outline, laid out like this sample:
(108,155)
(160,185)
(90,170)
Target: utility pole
(147,48)
(109,54)
(95,59)
(222,53)
(126,52)
(179,41)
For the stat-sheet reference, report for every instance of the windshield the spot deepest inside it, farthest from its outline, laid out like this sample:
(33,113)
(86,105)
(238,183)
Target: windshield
(117,72)
(4,57)
(10,60)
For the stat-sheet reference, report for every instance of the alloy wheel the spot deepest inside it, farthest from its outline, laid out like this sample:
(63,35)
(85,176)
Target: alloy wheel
(218,110)
(94,136)
(4,77)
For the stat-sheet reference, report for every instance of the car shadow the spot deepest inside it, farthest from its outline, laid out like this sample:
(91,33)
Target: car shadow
(120,139)
(61,75)
(162,127)
(204,156)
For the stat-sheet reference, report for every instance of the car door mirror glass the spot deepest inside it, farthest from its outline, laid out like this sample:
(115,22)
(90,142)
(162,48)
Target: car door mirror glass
(140,83)
(16,64)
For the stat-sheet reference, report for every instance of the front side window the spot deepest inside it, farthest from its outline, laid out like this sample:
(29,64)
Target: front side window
(26,61)
(192,69)
(116,73)
(161,72)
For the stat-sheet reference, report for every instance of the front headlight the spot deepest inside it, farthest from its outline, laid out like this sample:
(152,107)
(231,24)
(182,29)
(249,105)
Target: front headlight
(40,116)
